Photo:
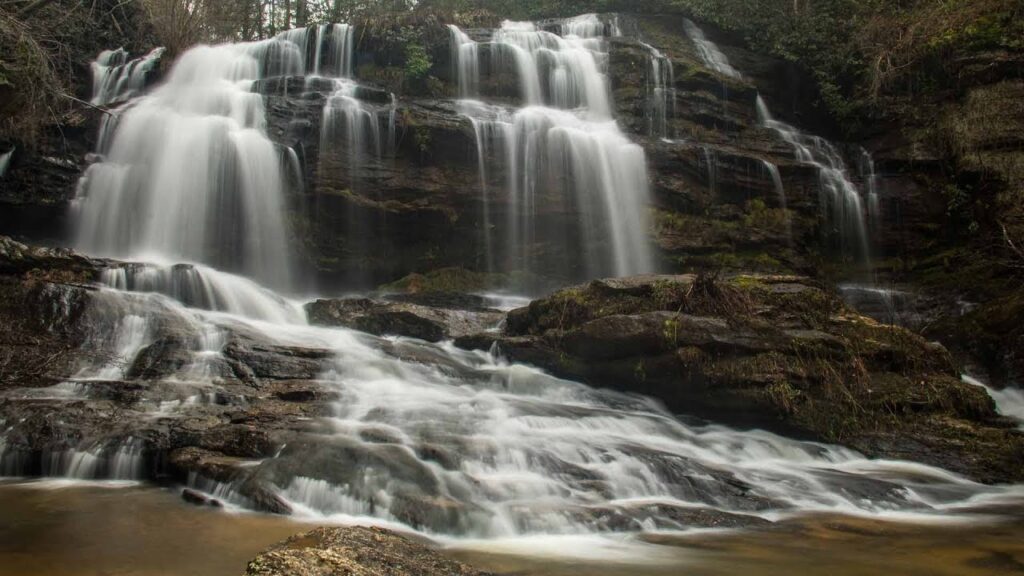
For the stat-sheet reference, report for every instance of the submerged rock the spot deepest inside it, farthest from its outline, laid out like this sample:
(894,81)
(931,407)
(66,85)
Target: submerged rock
(354,551)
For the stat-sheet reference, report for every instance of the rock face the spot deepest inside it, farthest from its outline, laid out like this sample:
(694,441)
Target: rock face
(416,207)
(384,318)
(768,351)
(354,551)
(361,219)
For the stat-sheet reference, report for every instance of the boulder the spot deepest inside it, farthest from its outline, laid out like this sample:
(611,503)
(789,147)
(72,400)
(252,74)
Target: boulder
(354,551)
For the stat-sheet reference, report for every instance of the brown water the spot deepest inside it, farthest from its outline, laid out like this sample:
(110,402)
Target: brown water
(146,531)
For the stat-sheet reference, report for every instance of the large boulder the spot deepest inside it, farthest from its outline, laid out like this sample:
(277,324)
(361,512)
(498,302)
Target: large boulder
(778,352)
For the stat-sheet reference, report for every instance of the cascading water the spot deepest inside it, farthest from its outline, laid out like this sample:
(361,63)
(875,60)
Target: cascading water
(335,50)
(562,152)
(465,62)
(361,130)
(116,78)
(870,178)
(780,192)
(710,160)
(661,94)
(442,440)
(841,203)
(204,288)
(188,172)
(709,51)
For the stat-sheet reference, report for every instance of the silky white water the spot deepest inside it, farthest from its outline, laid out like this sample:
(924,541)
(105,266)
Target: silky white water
(661,93)
(116,78)
(1009,401)
(509,451)
(561,152)
(840,199)
(188,173)
(362,132)
(709,51)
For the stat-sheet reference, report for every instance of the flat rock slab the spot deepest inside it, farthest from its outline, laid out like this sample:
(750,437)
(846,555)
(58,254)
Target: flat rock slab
(387,318)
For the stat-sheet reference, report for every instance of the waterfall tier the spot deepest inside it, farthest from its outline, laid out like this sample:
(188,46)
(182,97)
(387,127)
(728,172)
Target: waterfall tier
(562,151)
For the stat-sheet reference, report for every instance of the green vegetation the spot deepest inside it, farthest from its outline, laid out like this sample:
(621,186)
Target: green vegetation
(859,51)
(417,61)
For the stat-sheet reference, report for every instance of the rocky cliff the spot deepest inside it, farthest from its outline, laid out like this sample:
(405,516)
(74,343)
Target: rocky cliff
(410,199)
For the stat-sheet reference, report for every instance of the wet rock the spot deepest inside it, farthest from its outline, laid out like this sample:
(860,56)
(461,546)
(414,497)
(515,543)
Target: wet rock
(199,499)
(355,551)
(253,359)
(401,318)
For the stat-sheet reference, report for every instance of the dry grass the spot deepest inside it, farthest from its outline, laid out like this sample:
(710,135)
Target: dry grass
(31,93)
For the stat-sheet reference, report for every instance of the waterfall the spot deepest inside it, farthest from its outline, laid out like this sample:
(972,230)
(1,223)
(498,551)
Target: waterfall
(119,460)
(780,193)
(560,72)
(661,93)
(709,52)
(710,157)
(869,176)
(326,50)
(205,288)
(442,440)
(465,62)
(1009,401)
(115,78)
(357,125)
(563,149)
(188,171)
(841,202)
(334,50)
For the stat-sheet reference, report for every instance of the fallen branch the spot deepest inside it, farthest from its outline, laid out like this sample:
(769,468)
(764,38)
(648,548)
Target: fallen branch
(89,104)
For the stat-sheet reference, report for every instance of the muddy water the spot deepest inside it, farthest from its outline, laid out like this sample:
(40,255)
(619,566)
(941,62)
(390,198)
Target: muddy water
(75,530)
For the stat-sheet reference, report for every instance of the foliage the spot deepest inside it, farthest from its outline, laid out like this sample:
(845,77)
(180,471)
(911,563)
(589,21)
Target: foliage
(858,51)
(417,62)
